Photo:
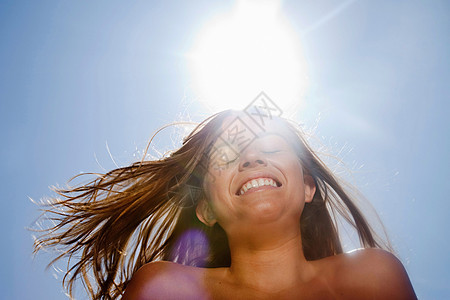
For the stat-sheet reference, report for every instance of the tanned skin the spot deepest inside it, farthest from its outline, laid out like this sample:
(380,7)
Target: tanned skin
(363,274)
(262,226)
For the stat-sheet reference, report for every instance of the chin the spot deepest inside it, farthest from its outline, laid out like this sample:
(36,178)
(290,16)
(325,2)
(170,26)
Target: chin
(266,213)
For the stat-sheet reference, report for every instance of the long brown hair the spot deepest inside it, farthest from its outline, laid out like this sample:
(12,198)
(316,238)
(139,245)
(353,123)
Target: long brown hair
(133,215)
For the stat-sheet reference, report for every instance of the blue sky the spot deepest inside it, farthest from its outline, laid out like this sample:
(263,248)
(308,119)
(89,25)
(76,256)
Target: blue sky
(76,76)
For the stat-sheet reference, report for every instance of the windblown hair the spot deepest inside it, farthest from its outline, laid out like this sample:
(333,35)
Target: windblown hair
(133,215)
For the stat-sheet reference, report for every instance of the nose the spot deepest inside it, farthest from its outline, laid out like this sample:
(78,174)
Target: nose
(251,158)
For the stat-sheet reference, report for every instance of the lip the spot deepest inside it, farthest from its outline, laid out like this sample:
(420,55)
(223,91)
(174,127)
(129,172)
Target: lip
(255,175)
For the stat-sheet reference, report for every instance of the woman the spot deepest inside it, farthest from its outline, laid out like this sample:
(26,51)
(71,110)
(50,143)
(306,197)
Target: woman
(242,210)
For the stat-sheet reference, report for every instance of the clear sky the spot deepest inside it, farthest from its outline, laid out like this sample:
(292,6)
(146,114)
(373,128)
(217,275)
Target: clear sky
(76,76)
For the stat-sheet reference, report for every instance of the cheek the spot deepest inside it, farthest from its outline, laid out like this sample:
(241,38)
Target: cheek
(297,182)
(218,179)
(218,195)
(216,188)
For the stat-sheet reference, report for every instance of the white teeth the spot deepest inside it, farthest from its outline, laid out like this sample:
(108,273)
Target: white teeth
(254,183)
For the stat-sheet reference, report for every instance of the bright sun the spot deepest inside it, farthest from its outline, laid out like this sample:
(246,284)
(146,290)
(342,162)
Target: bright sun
(250,50)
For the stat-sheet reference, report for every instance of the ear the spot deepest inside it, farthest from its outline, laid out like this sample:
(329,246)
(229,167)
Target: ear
(205,213)
(310,187)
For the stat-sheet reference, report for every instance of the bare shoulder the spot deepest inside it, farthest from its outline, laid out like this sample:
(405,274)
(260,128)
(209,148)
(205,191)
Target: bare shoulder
(372,273)
(165,280)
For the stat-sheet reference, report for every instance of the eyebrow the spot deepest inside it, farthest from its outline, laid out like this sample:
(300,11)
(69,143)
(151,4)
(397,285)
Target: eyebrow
(264,134)
(220,145)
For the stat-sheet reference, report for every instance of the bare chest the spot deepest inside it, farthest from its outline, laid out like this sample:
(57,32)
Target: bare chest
(317,289)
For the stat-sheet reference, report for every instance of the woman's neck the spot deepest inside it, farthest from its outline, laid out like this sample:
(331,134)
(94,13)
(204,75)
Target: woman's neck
(273,265)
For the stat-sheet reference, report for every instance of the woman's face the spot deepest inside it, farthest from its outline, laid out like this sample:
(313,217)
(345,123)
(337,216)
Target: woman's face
(254,175)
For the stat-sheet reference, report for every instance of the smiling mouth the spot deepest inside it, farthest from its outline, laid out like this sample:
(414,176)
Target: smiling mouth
(256,183)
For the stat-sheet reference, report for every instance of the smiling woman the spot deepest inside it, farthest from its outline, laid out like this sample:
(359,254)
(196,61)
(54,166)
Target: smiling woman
(241,210)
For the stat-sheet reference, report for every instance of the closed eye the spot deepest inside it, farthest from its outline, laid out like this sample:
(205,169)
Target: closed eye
(228,161)
(271,151)
(225,159)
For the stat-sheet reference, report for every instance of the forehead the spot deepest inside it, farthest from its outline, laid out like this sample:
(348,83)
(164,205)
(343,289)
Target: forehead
(239,130)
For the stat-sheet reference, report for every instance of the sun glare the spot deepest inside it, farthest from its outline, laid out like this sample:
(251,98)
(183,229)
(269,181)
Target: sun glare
(249,50)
